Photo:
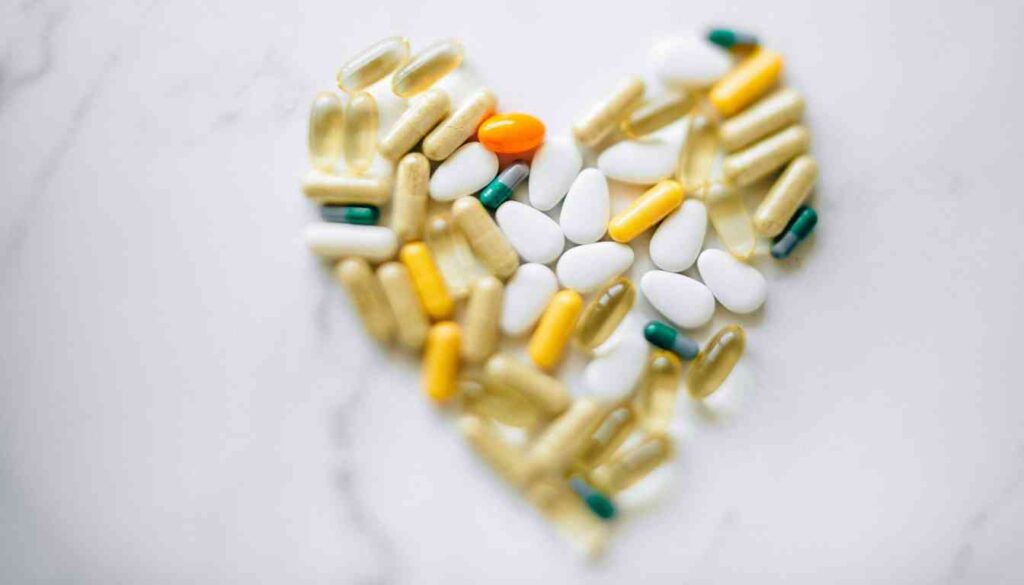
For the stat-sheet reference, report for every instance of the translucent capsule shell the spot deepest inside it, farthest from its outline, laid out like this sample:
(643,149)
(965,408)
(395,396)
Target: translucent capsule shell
(557,447)
(716,361)
(731,220)
(453,255)
(497,402)
(657,391)
(603,315)
(632,465)
(607,436)
(426,68)
(505,458)
(657,113)
(373,64)
(326,124)
(360,142)
(697,158)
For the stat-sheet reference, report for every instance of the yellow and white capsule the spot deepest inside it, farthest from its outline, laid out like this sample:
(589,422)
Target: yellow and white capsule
(647,210)
(427,279)
(555,329)
(415,123)
(368,297)
(441,361)
(486,239)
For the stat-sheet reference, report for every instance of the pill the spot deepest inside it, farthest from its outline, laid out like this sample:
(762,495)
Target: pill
(600,504)
(604,115)
(426,68)
(585,268)
(534,235)
(728,214)
(346,189)
(605,312)
(766,156)
(560,506)
(631,465)
(511,133)
(773,113)
(645,211)
(658,113)
(716,361)
(747,82)
(410,208)
(360,135)
(412,322)
(555,328)
(485,237)
(728,38)
(460,126)
(496,402)
(357,214)
(684,301)
(642,162)
(366,293)
(482,315)
(609,434)
(698,155)
(452,254)
(553,169)
(441,361)
(799,227)
(736,284)
(785,197)
(587,208)
(527,294)
(326,125)
(678,239)
(546,393)
(657,390)
(687,61)
(618,365)
(468,170)
(557,446)
(427,279)
(485,439)
(500,189)
(337,240)
(414,124)
(667,337)
(373,64)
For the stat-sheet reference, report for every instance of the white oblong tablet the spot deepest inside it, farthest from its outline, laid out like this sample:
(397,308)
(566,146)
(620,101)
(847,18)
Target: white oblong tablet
(615,371)
(643,162)
(534,235)
(337,240)
(737,285)
(527,294)
(555,165)
(681,299)
(585,268)
(587,208)
(465,172)
(678,239)
(688,61)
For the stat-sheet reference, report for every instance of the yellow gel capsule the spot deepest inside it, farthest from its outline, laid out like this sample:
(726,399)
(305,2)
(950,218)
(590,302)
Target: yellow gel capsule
(560,506)
(546,393)
(764,118)
(459,127)
(426,68)
(603,315)
(747,82)
(483,314)
(506,459)
(454,258)
(483,398)
(360,132)
(607,436)
(405,304)
(411,197)
(657,113)
(731,220)
(324,187)
(647,210)
(603,116)
(767,156)
(631,465)
(326,124)
(715,362)
(425,276)
(485,237)
(373,64)
(415,123)
(560,442)
(656,393)
(368,297)
(697,158)
(786,196)
(555,328)
(441,361)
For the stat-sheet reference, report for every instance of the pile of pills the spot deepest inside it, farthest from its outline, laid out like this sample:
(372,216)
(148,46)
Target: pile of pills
(713,128)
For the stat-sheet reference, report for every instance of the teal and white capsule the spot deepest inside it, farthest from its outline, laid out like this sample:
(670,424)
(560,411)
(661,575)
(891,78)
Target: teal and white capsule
(357,214)
(600,504)
(728,38)
(799,227)
(668,338)
(500,189)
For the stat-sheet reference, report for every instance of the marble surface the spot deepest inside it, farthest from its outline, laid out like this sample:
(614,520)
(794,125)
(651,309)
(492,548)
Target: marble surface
(185,397)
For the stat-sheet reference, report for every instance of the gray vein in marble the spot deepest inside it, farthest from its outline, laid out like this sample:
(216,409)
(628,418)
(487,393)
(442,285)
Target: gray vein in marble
(12,84)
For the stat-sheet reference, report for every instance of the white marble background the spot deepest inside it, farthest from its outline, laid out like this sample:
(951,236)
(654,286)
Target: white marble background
(184,397)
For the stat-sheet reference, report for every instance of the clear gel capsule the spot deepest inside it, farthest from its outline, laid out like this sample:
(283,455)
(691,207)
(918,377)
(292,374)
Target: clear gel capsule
(630,466)
(500,189)
(454,258)
(715,362)
(494,401)
(367,295)
(426,68)
(373,64)
(697,158)
(360,143)
(326,124)
(728,38)
(669,338)
(488,242)
(574,521)
(600,504)
(773,113)
(656,393)
(766,156)
(607,437)
(483,314)
(603,315)
(657,113)
(731,220)
(603,116)
(800,226)
(785,197)
(357,214)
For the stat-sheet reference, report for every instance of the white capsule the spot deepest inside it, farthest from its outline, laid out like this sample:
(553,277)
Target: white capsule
(617,368)
(681,299)
(555,165)
(587,208)
(585,268)
(688,62)
(337,240)
(737,285)
(465,172)
(534,235)
(526,296)
(645,161)
(678,239)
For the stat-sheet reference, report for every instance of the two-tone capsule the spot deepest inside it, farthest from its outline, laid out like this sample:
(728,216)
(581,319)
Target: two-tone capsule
(367,294)
(766,156)
(600,504)
(785,197)
(728,38)
(716,361)
(357,214)
(800,226)
(501,188)
(602,316)
(669,338)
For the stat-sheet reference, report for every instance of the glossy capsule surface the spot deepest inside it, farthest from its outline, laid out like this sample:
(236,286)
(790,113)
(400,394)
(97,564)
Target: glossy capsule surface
(511,133)
(604,115)
(326,124)
(486,239)
(715,362)
(366,293)
(555,328)
(460,126)
(669,338)
(452,254)
(799,227)
(728,38)
(600,504)
(645,211)
(602,316)
(609,434)
(731,220)
(773,113)
(505,458)
(360,142)
(657,390)
(426,68)
(427,279)
(441,361)
(547,393)
(630,466)
(766,156)
(747,82)
(558,445)
(357,214)
(786,196)
(415,123)
(657,113)
(411,321)
(501,188)
(697,158)
(373,64)
(496,402)
(409,214)
(483,315)
(560,506)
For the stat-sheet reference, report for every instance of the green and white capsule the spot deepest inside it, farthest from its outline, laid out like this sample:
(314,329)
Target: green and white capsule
(728,38)
(799,227)
(500,189)
(357,214)
(668,338)
(600,504)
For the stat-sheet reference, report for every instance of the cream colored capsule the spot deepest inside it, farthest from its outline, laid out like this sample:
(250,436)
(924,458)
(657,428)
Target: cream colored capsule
(604,115)
(631,465)
(764,157)
(459,127)
(560,506)
(326,124)
(786,196)
(415,123)
(768,116)
(410,209)
(483,314)
(441,361)
(368,297)
(495,402)
(485,237)
(405,304)
(360,142)
(547,393)
(559,444)
(346,189)
(373,64)
(658,113)
(426,68)
(505,458)
(337,240)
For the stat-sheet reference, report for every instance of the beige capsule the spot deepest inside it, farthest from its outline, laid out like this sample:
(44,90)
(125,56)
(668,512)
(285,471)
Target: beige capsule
(565,510)
(494,401)
(656,393)
(415,123)
(658,113)
(412,322)
(603,116)
(547,393)
(346,189)
(326,125)
(483,314)
(770,115)
(607,436)
(459,127)
(558,446)
(412,183)
(785,197)
(506,459)
(367,295)
(360,142)
(763,158)
(631,465)
(373,64)
(426,68)
(485,237)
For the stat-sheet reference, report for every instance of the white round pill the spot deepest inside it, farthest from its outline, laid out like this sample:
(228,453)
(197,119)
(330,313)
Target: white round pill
(586,209)
(534,235)
(737,285)
(465,172)
(681,299)
(555,164)
(585,268)
(642,162)
(526,296)
(678,239)
(688,61)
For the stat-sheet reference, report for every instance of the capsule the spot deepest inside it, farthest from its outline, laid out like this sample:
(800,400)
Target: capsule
(697,158)
(500,189)
(766,156)
(373,64)
(557,447)
(768,116)
(346,189)
(338,240)
(493,401)
(412,322)
(511,133)
(411,197)
(360,133)
(427,280)
(485,237)
(785,197)
(563,509)
(506,459)
(602,316)
(555,328)
(600,504)
(657,113)
(669,338)
(415,123)
(326,124)
(631,465)
(647,210)
(546,393)
(357,214)
(367,295)
(441,361)
(427,67)
(607,437)
(800,226)
(731,220)
(715,361)
(459,127)
(454,258)
(728,38)
(603,116)
(483,314)
(656,393)
(747,82)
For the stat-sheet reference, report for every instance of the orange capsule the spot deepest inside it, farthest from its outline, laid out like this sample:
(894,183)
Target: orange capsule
(511,133)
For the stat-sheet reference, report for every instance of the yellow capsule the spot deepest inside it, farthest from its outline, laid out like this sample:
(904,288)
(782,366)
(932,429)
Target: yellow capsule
(426,68)
(482,397)
(326,124)
(441,361)
(560,506)
(731,220)
(405,304)
(459,127)
(546,393)
(506,459)
(411,197)
(632,465)
(603,116)
(415,123)
(764,118)
(715,362)
(747,82)
(483,314)
(647,210)
(603,315)
(368,297)
(373,64)
(767,156)
(451,251)
(656,393)
(607,437)
(555,328)
(697,158)
(786,196)
(559,444)
(345,189)
(658,113)
(427,279)
(360,132)
(485,237)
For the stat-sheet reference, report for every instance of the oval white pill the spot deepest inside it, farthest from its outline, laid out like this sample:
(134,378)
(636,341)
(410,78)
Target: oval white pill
(526,296)
(465,172)
(336,240)
(688,61)
(615,371)
(681,299)
(642,162)
(534,235)
(586,210)
(585,268)
(677,241)
(737,285)
(555,165)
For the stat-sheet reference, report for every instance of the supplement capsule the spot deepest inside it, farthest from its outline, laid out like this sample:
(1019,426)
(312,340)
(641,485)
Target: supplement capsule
(601,119)
(559,444)
(632,465)
(373,64)
(747,82)
(405,304)
(411,197)
(800,226)
(345,189)
(603,315)
(454,258)
(494,401)
(426,68)
(767,156)
(728,214)
(656,393)
(563,509)
(546,393)
(427,280)
(728,38)
(483,314)
(667,337)
(715,361)
(600,504)
(367,295)
(326,124)
(460,126)
(338,240)
(415,123)
(360,132)
(506,459)
(485,237)
(511,133)
(647,210)
(357,214)
(658,113)
(773,113)
(556,326)
(785,197)
(697,158)
(441,361)
(500,189)
(607,437)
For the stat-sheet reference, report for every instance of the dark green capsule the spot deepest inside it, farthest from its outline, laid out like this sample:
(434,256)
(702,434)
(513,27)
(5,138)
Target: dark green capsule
(728,38)
(358,214)
(600,504)
(500,189)
(799,227)
(668,338)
